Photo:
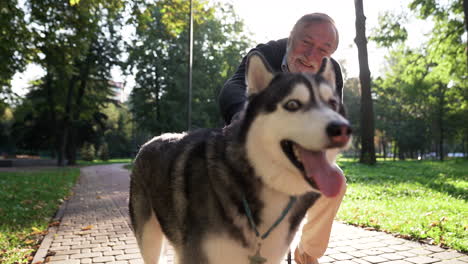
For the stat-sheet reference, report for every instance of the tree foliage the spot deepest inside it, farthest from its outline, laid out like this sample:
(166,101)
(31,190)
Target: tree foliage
(78,42)
(422,99)
(15,50)
(159,55)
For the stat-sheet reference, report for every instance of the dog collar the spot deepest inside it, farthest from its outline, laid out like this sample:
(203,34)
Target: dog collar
(257,258)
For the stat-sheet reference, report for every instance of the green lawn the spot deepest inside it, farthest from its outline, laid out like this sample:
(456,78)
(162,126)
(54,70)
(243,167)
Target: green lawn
(28,200)
(424,200)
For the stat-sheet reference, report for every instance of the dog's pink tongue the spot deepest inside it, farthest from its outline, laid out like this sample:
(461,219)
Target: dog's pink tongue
(327,178)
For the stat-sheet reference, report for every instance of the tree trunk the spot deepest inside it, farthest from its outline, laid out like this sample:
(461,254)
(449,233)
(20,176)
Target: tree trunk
(52,111)
(367,112)
(441,95)
(384,148)
(66,123)
(72,143)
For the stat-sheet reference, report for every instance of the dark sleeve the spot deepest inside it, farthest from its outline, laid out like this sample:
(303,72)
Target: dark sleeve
(233,94)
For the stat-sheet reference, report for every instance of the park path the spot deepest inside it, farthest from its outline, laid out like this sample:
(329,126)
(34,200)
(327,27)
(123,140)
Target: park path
(95,228)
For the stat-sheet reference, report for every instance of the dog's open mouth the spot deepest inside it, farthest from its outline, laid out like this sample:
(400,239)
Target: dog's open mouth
(315,167)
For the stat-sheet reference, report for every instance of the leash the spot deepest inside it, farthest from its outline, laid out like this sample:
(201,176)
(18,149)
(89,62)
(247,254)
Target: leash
(257,258)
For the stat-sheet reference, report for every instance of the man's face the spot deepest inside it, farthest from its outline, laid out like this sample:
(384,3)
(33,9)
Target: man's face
(309,45)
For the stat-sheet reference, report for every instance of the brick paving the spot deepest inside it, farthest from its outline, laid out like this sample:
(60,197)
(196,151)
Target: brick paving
(94,228)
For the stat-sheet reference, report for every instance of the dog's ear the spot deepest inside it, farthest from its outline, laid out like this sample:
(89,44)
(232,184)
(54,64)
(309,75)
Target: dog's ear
(327,71)
(331,71)
(258,73)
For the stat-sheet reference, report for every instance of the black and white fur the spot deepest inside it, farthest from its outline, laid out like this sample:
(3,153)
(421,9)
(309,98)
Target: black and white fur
(189,187)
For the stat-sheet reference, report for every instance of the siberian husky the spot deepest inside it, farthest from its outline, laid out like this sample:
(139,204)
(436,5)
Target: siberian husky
(237,194)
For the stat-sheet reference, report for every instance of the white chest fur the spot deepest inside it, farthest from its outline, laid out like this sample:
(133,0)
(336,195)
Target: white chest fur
(220,248)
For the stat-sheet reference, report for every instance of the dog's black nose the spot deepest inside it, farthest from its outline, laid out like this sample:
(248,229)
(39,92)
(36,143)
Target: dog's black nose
(338,129)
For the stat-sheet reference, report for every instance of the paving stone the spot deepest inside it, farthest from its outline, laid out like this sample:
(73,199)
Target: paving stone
(420,251)
(66,252)
(85,255)
(396,262)
(357,254)
(132,250)
(101,249)
(86,261)
(341,256)
(68,261)
(392,256)
(361,261)
(447,255)
(103,259)
(128,256)
(136,261)
(114,252)
(58,257)
(400,247)
(385,249)
(372,252)
(422,260)
(325,259)
(375,259)
(344,262)
(345,249)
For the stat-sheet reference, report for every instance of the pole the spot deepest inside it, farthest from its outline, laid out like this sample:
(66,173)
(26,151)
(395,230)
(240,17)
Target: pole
(189,99)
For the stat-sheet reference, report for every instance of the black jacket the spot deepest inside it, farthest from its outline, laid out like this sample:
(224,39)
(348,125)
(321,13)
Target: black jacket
(233,95)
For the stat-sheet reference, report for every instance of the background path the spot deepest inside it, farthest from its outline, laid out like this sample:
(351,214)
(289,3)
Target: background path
(95,228)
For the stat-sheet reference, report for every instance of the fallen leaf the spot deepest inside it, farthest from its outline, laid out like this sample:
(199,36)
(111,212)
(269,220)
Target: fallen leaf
(29,241)
(56,223)
(87,228)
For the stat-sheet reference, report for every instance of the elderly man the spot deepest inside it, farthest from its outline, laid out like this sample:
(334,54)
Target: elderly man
(313,37)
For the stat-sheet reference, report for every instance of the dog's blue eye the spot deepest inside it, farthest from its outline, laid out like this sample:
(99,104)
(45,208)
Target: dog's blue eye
(292,105)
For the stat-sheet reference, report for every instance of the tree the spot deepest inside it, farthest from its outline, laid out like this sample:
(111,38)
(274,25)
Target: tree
(76,43)
(367,114)
(159,59)
(427,85)
(15,51)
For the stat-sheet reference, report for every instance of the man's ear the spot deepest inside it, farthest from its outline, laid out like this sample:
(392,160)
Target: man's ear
(330,70)
(258,73)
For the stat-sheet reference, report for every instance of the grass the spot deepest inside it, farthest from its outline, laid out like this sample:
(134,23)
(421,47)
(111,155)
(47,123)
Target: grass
(28,200)
(422,200)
